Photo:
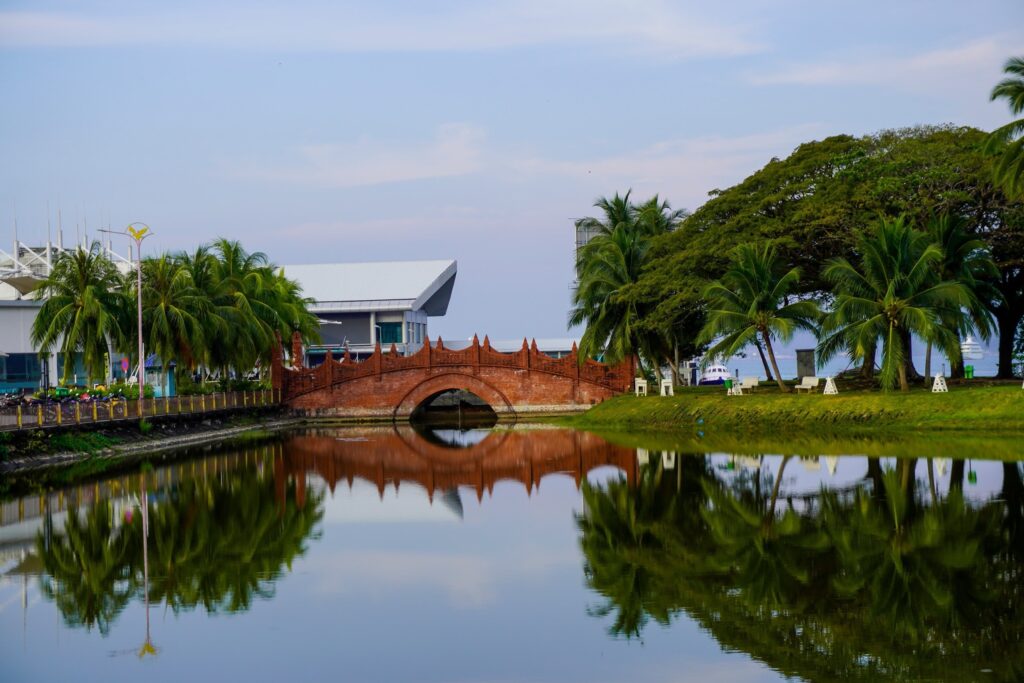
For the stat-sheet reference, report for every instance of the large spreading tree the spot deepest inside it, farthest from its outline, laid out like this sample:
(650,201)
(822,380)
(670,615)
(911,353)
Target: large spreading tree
(814,205)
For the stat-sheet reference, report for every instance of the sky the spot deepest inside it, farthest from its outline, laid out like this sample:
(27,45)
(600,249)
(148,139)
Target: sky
(333,131)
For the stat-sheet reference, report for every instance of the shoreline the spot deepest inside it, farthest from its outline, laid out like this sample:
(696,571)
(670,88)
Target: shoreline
(992,409)
(145,446)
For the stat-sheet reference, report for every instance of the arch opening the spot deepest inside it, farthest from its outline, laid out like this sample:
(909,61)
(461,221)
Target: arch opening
(453,409)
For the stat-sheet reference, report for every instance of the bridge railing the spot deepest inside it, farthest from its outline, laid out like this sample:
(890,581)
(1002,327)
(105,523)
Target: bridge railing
(54,414)
(296,381)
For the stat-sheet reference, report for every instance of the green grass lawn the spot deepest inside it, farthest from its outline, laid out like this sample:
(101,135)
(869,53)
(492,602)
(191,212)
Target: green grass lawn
(981,407)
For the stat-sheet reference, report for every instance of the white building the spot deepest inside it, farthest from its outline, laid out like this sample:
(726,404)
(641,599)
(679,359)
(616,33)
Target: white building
(21,272)
(360,304)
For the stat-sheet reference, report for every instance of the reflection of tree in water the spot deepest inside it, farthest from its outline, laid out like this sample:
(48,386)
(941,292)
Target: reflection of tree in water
(852,586)
(215,543)
(89,573)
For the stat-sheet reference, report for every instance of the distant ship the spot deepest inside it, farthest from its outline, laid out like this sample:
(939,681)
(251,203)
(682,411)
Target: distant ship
(971,350)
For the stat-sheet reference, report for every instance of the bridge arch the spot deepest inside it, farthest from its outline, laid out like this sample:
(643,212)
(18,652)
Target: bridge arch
(438,384)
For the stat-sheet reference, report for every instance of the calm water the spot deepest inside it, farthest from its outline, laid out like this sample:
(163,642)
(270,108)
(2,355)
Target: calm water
(522,555)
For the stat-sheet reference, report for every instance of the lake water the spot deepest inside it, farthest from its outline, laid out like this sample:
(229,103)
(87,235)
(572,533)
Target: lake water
(517,555)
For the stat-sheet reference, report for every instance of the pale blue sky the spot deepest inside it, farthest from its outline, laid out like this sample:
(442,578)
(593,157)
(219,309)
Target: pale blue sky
(332,131)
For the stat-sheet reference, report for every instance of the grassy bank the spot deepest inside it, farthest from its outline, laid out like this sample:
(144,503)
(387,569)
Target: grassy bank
(979,409)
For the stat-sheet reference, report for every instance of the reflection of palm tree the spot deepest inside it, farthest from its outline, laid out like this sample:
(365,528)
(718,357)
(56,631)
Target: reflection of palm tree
(88,572)
(615,530)
(639,540)
(771,558)
(221,545)
(917,568)
(815,613)
(216,543)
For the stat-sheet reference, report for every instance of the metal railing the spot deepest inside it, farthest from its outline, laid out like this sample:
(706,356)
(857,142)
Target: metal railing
(69,413)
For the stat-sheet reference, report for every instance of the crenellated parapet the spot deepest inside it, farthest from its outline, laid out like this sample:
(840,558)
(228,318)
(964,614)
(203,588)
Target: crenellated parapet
(479,360)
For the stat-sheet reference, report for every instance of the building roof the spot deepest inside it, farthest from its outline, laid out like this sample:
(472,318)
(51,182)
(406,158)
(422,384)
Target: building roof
(554,345)
(382,285)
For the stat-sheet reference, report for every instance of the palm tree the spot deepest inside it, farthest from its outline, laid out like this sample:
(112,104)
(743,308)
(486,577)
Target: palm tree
(617,211)
(752,300)
(171,311)
(285,309)
(241,282)
(606,267)
(1008,141)
(82,297)
(893,294)
(656,217)
(965,259)
(201,266)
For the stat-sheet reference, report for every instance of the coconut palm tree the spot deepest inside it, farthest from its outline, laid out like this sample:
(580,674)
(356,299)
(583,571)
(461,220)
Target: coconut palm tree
(656,217)
(1008,141)
(751,300)
(893,293)
(171,312)
(285,309)
(617,211)
(201,266)
(606,267)
(81,299)
(965,259)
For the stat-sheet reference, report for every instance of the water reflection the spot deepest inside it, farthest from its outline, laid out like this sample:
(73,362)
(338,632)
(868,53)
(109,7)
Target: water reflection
(217,542)
(818,568)
(890,578)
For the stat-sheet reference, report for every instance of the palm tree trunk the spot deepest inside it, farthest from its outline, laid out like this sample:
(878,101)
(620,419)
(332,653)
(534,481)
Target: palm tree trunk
(956,365)
(927,362)
(775,365)
(908,358)
(1007,320)
(904,385)
(764,361)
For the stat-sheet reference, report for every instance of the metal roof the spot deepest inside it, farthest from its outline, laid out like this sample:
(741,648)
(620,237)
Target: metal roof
(391,285)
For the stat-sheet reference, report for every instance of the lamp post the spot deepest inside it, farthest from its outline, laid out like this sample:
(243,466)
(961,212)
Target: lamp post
(138,234)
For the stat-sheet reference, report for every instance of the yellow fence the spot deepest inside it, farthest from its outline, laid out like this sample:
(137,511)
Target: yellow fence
(38,415)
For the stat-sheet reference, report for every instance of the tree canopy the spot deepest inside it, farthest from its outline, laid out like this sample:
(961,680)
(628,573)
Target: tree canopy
(814,205)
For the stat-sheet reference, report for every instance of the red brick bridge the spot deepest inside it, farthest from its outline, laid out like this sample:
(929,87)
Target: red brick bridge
(388,385)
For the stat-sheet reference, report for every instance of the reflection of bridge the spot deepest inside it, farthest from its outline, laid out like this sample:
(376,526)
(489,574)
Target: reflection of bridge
(392,386)
(399,455)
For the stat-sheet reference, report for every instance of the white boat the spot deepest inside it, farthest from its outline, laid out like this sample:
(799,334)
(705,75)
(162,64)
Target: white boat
(971,350)
(714,374)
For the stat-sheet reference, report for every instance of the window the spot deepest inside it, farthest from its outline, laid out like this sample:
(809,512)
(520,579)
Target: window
(20,367)
(390,333)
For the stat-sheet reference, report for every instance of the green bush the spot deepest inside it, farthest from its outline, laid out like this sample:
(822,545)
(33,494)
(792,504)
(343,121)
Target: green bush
(186,386)
(145,426)
(128,391)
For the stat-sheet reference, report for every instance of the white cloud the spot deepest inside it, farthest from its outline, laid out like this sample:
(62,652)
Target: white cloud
(454,150)
(683,169)
(657,27)
(975,64)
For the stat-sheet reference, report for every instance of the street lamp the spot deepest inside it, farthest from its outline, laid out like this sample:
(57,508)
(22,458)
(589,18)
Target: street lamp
(138,234)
